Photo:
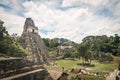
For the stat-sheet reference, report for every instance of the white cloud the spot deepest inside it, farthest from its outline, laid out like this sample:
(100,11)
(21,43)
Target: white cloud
(64,24)
(13,23)
(69,3)
(74,23)
(94,3)
(14,6)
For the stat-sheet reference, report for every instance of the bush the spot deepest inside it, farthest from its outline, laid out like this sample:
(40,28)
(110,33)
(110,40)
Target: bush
(11,48)
(67,55)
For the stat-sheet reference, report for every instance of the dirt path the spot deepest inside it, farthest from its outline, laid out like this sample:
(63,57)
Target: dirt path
(112,75)
(55,74)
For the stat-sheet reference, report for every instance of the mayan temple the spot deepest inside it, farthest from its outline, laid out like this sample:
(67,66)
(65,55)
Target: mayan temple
(33,43)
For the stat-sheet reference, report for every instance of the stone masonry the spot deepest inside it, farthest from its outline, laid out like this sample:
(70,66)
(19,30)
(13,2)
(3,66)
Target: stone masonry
(32,42)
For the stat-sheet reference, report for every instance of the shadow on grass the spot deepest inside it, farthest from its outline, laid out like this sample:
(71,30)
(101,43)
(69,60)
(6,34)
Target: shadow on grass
(86,64)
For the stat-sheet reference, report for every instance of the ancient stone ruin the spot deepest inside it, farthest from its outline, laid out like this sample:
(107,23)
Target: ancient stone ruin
(32,42)
(21,69)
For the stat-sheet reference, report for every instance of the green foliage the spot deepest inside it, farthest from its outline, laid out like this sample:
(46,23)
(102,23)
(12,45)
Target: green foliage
(67,55)
(54,45)
(46,42)
(118,50)
(3,31)
(11,48)
(85,53)
(105,57)
(8,46)
(99,48)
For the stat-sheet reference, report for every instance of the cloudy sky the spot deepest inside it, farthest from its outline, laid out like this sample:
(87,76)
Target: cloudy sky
(70,19)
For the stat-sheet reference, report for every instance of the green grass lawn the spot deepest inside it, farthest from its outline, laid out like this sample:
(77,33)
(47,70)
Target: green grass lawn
(104,67)
(101,68)
(69,64)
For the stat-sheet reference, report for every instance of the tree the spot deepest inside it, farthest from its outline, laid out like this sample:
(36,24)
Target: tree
(84,52)
(3,31)
(8,46)
(99,46)
(116,39)
(69,53)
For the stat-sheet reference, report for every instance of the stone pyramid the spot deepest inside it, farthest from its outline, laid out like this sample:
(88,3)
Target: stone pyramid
(32,42)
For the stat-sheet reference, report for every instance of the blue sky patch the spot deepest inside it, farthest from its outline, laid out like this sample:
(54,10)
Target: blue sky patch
(4,6)
(44,31)
(104,12)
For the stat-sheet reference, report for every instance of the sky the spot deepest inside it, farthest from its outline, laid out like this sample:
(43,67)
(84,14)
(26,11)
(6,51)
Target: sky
(70,19)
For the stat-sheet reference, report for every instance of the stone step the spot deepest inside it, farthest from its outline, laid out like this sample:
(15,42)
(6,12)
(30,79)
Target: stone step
(23,75)
(21,69)
(18,71)
(14,64)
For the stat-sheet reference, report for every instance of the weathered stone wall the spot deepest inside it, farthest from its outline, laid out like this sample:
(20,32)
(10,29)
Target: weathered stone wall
(21,69)
(32,29)
(33,43)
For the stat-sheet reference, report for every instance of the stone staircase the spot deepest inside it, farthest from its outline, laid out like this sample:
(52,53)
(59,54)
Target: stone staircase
(21,69)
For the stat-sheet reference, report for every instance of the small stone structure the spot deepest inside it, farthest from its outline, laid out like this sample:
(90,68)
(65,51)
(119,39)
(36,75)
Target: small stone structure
(30,26)
(32,42)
